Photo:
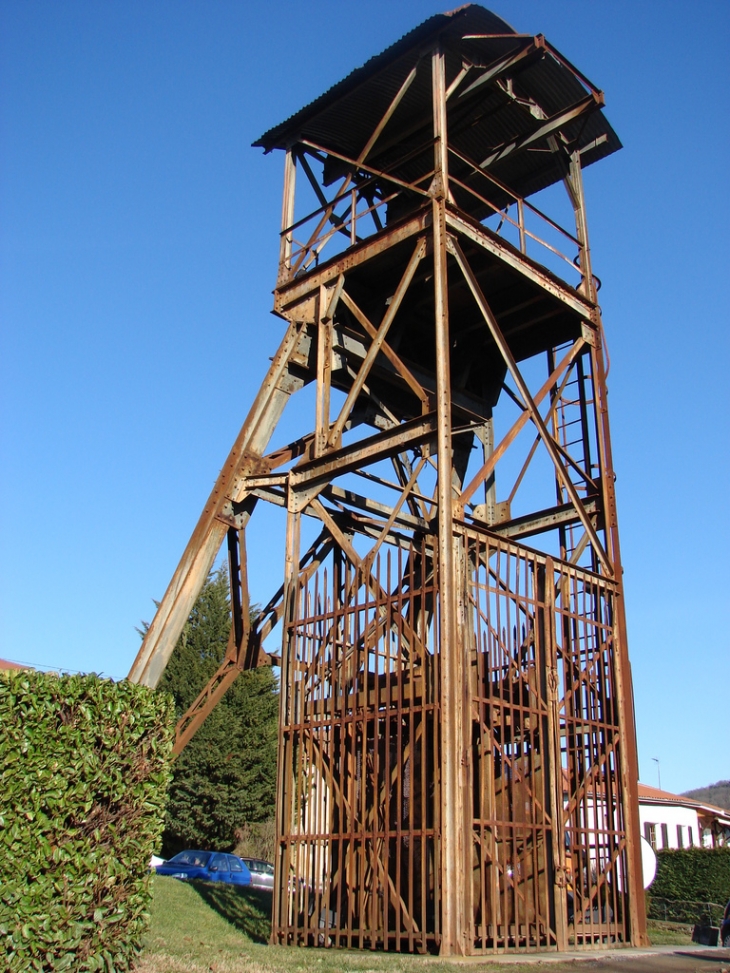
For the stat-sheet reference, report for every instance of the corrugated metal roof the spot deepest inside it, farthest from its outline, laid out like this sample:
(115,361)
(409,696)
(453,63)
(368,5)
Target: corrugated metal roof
(343,118)
(471,16)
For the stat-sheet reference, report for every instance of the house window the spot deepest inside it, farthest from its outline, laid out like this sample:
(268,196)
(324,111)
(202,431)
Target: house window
(680,837)
(665,836)
(650,834)
(691,837)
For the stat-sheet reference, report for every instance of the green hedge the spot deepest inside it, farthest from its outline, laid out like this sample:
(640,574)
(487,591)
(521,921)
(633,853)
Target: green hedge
(687,913)
(84,771)
(695,874)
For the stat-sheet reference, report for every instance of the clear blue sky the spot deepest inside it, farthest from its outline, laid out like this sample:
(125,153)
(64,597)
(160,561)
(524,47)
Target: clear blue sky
(139,243)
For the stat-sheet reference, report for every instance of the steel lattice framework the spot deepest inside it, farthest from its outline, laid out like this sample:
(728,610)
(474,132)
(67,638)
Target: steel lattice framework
(457,758)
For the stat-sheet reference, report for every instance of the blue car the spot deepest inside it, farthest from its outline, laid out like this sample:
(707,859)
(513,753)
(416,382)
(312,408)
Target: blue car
(206,866)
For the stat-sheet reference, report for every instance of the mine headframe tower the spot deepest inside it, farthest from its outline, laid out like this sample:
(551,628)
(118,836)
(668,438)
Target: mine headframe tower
(457,756)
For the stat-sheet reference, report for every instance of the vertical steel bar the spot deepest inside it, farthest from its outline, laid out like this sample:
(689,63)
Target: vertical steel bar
(321,421)
(285,781)
(575,191)
(359,749)
(412,735)
(287,216)
(387,709)
(521,223)
(555,782)
(400,762)
(325,827)
(452,794)
(302,821)
(317,704)
(629,764)
(234,580)
(370,810)
(347,776)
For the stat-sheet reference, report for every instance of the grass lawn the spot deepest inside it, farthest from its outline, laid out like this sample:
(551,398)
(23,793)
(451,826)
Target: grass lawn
(204,927)
(220,929)
(668,933)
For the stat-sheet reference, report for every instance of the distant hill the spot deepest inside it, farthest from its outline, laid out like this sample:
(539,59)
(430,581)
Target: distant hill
(717,794)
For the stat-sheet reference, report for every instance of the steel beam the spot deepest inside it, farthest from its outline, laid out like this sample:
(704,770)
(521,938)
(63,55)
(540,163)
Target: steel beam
(530,404)
(512,257)
(197,560)
(541,521)
(337,462)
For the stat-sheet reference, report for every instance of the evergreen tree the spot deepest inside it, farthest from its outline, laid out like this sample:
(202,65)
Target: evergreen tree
(225,778)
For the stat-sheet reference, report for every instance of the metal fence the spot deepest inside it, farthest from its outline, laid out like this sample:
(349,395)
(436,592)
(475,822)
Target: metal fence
(359,851)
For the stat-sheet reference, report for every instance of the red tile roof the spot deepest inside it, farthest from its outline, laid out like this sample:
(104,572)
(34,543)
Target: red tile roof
(653,795)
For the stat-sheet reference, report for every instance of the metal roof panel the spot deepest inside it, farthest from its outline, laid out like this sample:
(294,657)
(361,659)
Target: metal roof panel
(481,120)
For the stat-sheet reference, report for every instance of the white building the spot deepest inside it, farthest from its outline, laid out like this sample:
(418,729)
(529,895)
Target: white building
(672,821)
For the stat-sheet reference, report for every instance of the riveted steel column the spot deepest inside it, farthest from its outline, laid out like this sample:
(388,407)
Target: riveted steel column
(287,216)
(453,919)
(629,768)
(624,688)
(280,918)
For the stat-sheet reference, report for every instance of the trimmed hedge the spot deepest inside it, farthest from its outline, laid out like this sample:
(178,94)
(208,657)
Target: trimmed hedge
(84,771)
(696,874)
(688,913)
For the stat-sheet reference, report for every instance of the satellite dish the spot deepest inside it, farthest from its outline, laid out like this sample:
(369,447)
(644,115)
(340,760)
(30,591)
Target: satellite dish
(648,862)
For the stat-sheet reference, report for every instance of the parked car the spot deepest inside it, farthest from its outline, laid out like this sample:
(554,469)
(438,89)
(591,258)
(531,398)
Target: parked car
(206,866)
(262,873)
(725,928)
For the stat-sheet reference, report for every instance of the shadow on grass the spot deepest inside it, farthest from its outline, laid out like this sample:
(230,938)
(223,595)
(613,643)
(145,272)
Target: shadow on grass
(247,910)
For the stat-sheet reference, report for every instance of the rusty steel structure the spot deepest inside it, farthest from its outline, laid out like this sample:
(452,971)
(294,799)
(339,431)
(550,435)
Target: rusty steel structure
(457,757)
